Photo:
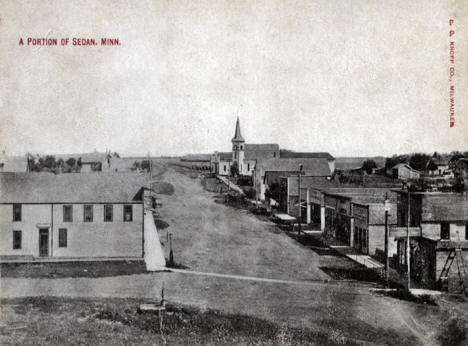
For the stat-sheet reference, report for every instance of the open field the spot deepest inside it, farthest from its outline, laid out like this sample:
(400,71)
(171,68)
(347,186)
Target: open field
(58,321)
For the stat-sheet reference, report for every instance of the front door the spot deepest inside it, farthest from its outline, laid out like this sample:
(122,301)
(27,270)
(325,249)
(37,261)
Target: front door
(43,242)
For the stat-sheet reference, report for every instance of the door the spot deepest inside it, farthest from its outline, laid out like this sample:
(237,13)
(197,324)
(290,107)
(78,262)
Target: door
(43,242)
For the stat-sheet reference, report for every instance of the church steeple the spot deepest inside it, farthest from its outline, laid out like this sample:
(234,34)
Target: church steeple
(237,135)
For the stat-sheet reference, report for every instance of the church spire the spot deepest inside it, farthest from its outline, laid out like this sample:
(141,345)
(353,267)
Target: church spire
(237,135)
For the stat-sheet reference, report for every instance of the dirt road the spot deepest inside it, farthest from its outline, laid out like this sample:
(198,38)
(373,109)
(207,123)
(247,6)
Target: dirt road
(212,237)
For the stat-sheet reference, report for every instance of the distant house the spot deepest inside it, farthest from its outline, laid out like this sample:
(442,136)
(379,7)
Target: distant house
(404,171)
(438,225)
(95,215)
(438,165)
(269,171)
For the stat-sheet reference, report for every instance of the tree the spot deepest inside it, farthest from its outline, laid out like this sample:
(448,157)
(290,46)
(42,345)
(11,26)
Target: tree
(234,169)
(368,166)
(392,161)
(419,161)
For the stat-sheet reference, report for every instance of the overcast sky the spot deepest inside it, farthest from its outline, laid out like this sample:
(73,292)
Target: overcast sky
(347,77)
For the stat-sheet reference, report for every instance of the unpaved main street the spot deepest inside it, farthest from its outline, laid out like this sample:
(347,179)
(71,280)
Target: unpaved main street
(213,238)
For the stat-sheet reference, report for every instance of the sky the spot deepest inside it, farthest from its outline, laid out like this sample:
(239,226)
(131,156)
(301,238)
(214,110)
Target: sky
(353,78)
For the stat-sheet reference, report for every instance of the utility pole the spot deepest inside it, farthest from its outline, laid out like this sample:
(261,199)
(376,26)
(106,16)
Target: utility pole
(387,260)
(408,249)
(299,193)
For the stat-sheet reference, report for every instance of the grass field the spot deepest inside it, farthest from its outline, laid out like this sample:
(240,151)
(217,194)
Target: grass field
(58,321)
(72,269)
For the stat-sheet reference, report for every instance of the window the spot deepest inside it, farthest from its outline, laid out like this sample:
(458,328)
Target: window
(17,240)
(62,237)
(108,212)
(67,213)
(274,154)
(466,231)
(444,231)
(224,168)
(128,213)
(88,213)
(248,167)
(16,212)
(241,147)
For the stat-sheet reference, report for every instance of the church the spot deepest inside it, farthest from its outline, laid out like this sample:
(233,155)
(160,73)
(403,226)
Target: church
(243,156)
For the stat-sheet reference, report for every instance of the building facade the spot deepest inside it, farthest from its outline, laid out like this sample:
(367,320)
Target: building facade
(92,215)
(438,225)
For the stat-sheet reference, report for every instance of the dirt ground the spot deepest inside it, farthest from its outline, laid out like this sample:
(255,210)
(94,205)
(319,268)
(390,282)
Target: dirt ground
(211,239)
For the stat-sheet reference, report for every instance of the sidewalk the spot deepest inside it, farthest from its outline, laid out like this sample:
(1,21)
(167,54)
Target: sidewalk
(355,256)
(231,185)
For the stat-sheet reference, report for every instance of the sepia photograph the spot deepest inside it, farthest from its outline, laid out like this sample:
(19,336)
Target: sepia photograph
(233,172)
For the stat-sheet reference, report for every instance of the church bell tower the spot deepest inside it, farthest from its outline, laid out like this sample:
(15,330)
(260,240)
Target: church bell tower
(238,148)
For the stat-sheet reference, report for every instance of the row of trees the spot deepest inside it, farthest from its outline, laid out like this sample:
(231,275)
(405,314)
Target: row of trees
(50,164)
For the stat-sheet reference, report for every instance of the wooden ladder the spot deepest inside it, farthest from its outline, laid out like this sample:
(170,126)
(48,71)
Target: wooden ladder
(460,264)
(455,254)
(444,274)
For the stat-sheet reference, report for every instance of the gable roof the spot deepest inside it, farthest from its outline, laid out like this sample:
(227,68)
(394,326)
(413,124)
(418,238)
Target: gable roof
(311,167)
(289,154)
(71,187)
(404,165)
(225,156)
(260,151)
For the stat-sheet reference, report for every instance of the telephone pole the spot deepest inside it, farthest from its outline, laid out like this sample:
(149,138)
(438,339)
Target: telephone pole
(387,260)
(408,248)
(300,202)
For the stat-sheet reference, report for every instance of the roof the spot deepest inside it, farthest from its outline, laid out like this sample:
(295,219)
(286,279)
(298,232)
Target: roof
(289,154)
(311,167)
(225,156)
(260,151)
(71,187)
(404,165)
(237,134)
(261,147)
